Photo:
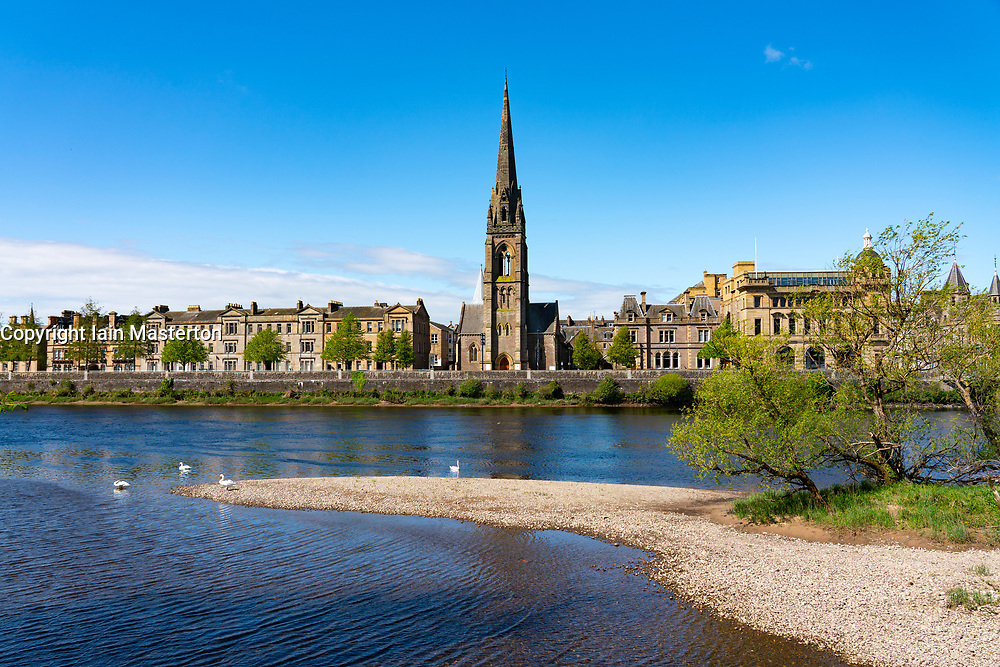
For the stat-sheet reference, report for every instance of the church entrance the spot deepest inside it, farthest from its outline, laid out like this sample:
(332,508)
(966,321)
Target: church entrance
(503,363)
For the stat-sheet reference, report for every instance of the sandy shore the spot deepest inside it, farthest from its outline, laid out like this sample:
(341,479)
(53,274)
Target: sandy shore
(874,604)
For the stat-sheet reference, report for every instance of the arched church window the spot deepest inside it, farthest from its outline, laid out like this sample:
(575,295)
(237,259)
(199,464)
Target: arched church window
(503,214)
(506,263)
(506,330)
(473,353)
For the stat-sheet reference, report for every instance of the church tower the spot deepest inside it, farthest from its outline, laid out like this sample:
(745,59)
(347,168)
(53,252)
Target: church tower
(505,270)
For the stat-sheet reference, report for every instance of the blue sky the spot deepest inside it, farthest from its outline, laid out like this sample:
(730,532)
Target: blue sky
(212,153)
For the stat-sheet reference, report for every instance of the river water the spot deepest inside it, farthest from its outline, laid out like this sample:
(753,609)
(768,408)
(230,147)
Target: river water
(91,576)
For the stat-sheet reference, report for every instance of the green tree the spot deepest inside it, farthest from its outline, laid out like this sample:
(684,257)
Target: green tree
(761,418)
(89,349)
(718,345)
(20,342)
(135,346)
(622,351)
(185,351)
(969,359)
(347,345)
(404,350)
(6,403)
(385,347)
(586,356)
(883,325)
(266,347)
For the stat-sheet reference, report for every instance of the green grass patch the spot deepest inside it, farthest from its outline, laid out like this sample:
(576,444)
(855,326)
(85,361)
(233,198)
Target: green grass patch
(945,513)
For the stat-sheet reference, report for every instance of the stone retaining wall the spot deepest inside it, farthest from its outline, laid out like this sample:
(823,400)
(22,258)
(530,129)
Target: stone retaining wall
(280,381)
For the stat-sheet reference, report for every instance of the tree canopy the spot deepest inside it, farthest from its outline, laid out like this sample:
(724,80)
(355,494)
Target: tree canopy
(266,347)
(404,350)
(622,350)
(385,347)
(24,341)
(134,346)
(586,356)
(88,350)
(347,345)
(718,345)
(185,351)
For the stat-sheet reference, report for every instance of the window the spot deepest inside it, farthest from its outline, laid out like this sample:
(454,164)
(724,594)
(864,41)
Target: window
(230,328)
(677,360)
(631,317)
(704,316)
(288,329)
(288,347)
(875,326)
(397,325)
(666,335)
(306,346)
(210,347)
(227,365)
(473,353)
(704,363)
(329,327)
(308,326)
(774,302)
(434,339)
(777,326)
(632,334)
(666,317)
(756,327)
(434,360)
(657,360)
(805,324)
(369,327)
(260,328)
(704,335)
(380,325)
(756,302)
(306,365)
(231,349)
(791,324)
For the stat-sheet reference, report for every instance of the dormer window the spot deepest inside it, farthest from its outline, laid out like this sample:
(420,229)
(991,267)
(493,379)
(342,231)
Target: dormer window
(704,316)
(631,317)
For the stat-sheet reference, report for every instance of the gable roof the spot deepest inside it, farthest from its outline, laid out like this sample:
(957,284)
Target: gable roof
(956,279)
(543,317)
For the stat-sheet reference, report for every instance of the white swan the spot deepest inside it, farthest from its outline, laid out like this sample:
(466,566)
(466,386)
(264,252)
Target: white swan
(183,467)
(454,468)
(121,485)
(228,483)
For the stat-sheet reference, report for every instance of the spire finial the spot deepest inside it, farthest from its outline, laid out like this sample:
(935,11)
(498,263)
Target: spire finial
(867,239)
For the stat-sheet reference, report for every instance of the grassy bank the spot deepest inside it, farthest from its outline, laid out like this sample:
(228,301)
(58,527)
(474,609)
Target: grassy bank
(673,392)
(949,514)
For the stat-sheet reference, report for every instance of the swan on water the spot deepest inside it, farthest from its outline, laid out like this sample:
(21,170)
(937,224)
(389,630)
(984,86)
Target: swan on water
(228,483)
(121,485)
(454,468)
(183,467)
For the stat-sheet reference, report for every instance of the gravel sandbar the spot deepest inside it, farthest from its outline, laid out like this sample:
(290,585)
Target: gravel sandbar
(874,604)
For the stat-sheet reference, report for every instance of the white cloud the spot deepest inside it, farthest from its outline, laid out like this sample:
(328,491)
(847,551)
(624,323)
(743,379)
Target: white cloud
(55,276)
(772,55)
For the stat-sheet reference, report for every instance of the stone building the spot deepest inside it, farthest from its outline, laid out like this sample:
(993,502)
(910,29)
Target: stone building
(506,331)
(671,335)
(304,330)
(442,346)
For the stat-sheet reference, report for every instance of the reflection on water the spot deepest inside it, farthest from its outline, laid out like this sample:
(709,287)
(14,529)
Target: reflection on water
(94,577)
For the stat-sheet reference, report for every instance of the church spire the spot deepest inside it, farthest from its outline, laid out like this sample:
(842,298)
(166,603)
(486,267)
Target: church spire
(506,173)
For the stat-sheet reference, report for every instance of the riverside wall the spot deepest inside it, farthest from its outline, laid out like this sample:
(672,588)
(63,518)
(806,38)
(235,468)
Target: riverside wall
(281,381)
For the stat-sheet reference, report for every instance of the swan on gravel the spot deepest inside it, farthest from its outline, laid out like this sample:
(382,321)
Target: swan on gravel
(228,483)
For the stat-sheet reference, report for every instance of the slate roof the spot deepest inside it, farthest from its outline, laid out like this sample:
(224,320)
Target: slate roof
(471,319)
(192,316)
(956,279)
(543,317)
(995,285)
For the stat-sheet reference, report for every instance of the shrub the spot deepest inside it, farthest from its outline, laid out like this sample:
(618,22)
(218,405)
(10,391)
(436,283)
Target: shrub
(230,388)
(166,387)
(669,389)
(493,393)
(66,388)
(88,391)
(123,393)
(394,396)
(551,391)
(608,392)
(30,386)
(359,379)
(449,390)
(521,391)
(471,388)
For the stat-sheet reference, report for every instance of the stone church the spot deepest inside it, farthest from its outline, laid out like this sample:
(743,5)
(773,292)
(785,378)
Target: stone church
(503,330)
